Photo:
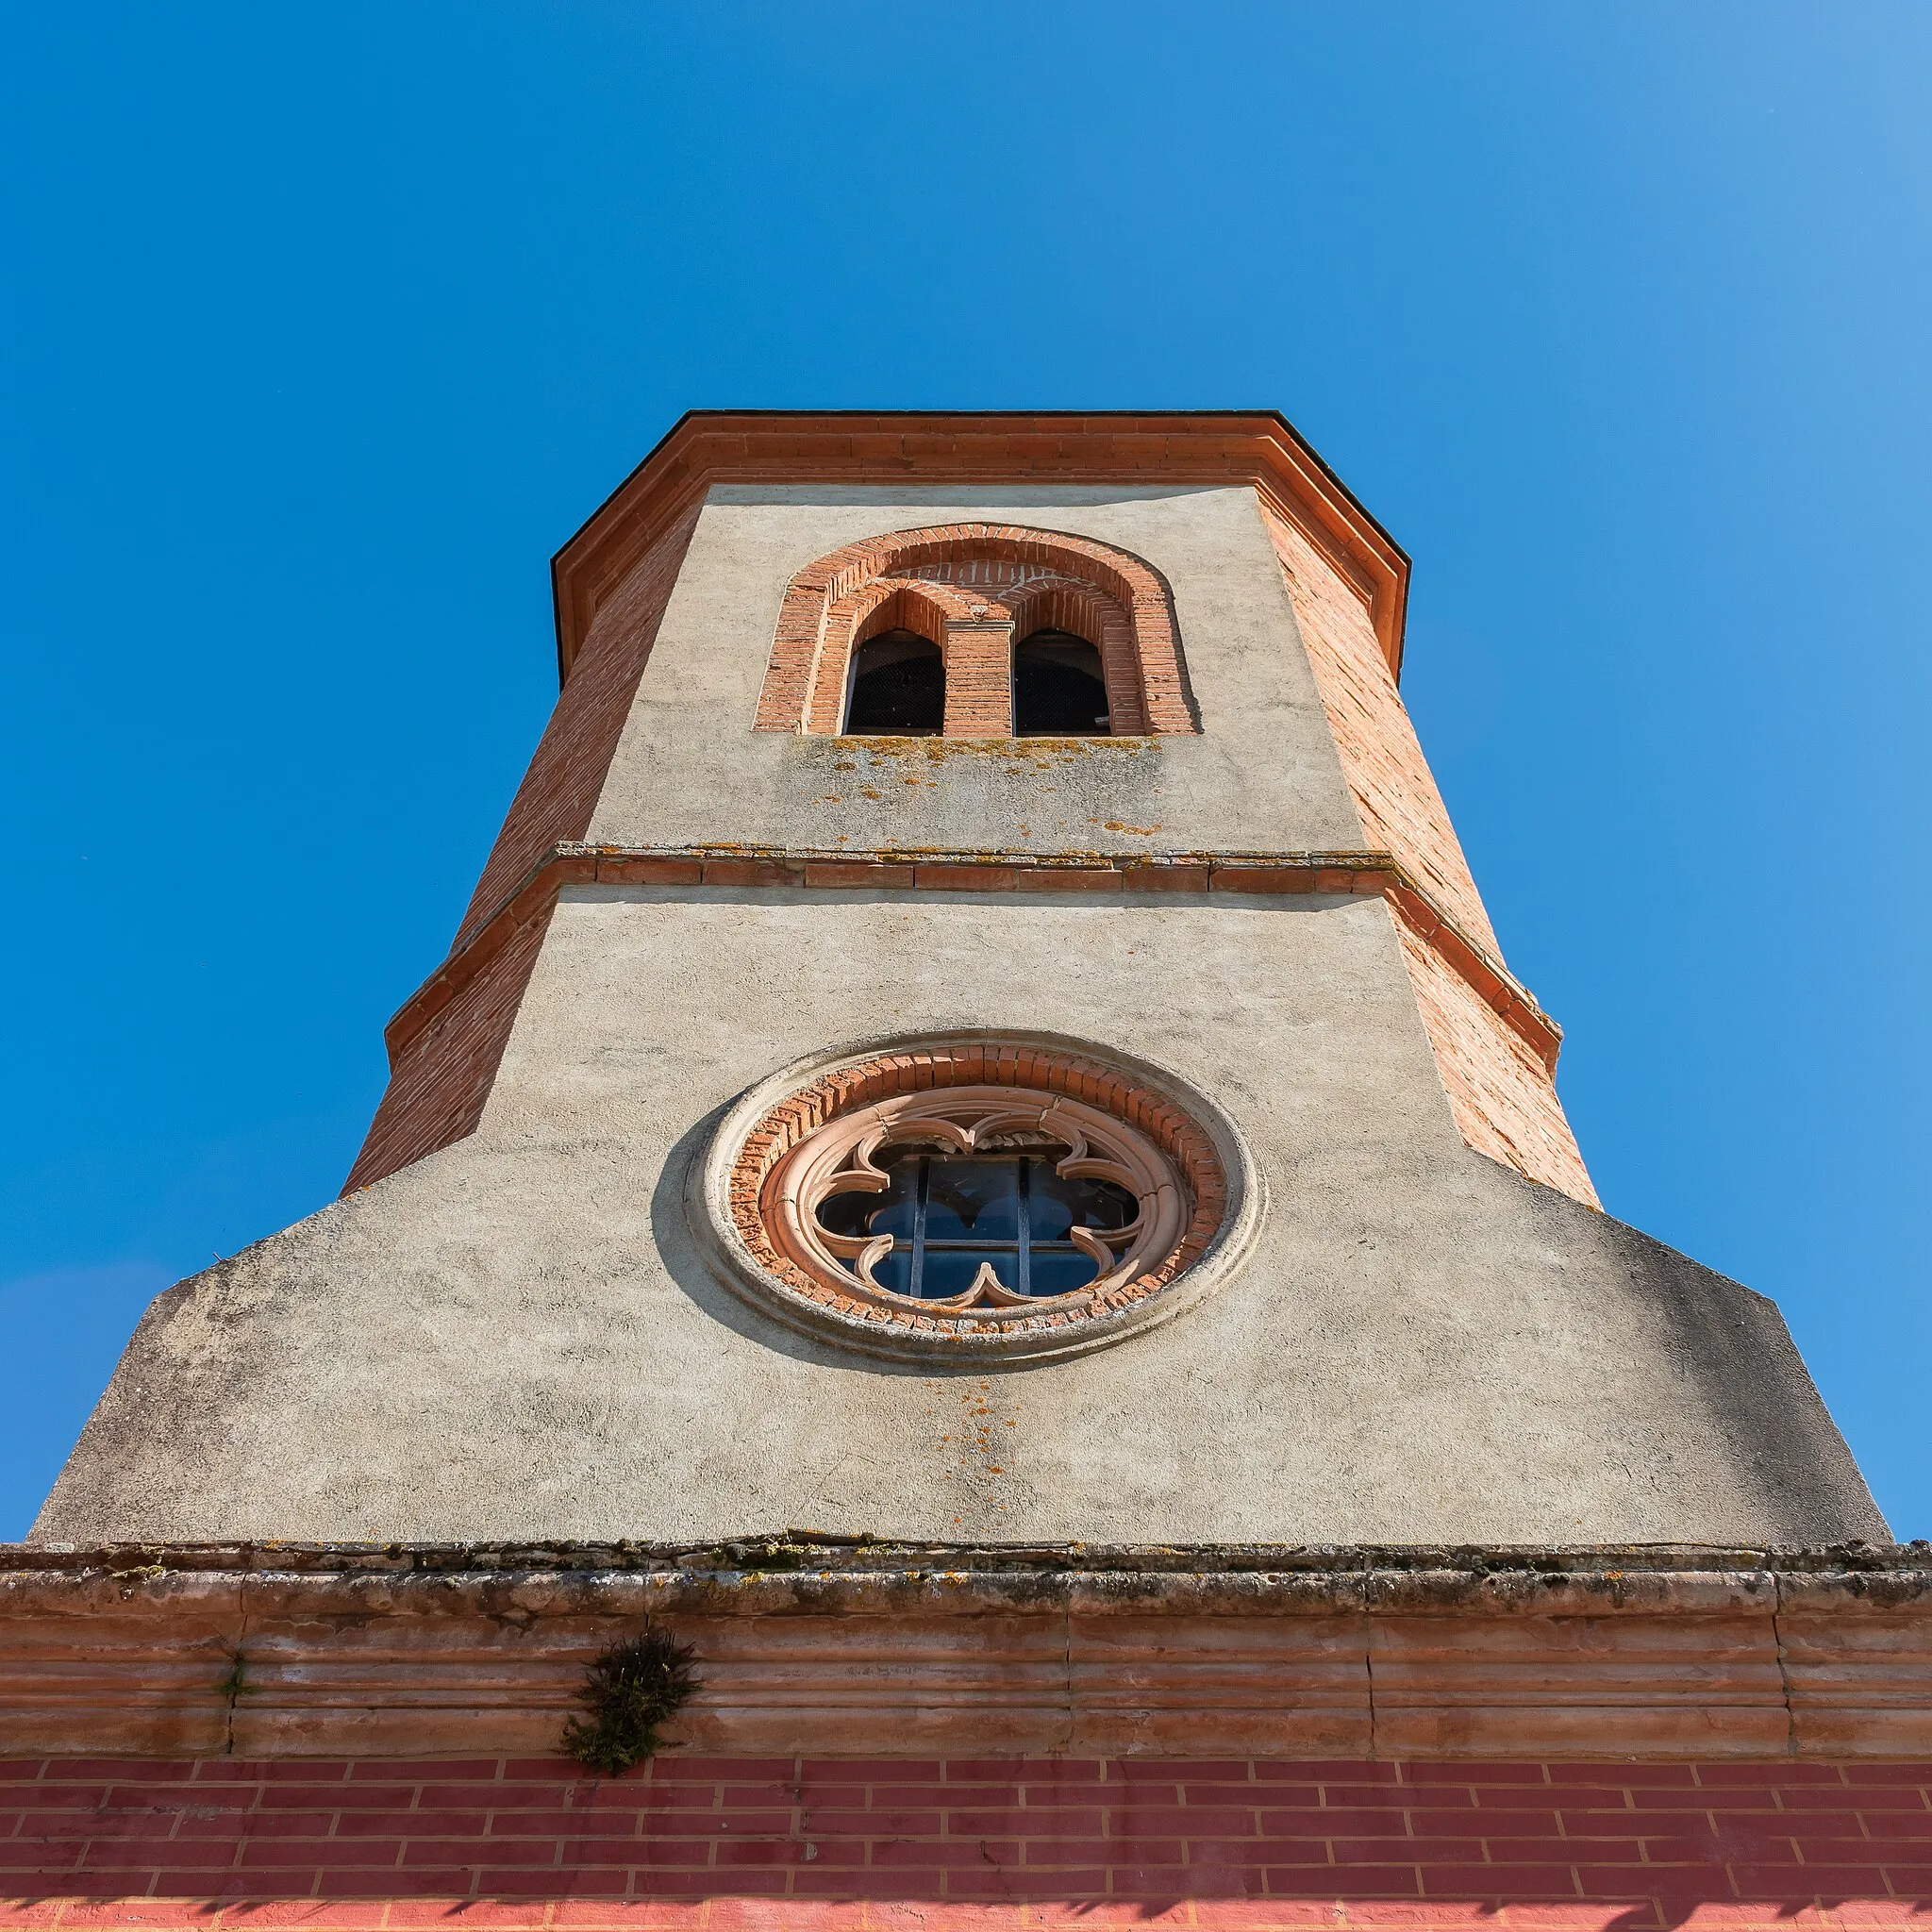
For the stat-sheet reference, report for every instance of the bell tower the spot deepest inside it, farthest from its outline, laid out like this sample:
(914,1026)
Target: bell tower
(976,1024)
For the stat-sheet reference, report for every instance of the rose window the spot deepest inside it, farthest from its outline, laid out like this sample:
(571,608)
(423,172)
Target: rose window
(964,1200)
(967,1201)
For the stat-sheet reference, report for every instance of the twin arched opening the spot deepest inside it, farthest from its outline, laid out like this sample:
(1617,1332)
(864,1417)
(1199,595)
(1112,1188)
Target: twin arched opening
(897,687)
(977,630)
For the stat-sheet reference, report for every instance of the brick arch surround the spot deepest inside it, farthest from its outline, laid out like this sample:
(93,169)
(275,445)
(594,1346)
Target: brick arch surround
(980,582)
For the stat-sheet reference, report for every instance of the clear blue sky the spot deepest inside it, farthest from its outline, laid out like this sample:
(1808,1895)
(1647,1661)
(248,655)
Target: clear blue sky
(324,327)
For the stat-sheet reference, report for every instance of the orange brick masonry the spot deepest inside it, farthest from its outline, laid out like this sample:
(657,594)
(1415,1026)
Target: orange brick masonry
(1502,1096)
(977,1844)
(441,1080)
(566,773)
(1505,1102)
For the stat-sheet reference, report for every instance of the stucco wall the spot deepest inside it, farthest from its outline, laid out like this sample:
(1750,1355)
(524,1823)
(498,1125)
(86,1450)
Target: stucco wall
(1305,743)
(1264,772)
(516,1336)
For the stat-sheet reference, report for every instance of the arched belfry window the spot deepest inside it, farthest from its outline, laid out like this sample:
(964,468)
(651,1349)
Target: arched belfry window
(1059,690)
(898,687)
(977,630)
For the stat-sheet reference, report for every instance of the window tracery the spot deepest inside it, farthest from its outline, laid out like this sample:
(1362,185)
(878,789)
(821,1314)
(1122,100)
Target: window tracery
(968,1199)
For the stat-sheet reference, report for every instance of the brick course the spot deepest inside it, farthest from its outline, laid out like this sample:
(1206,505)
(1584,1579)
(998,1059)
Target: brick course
(441,1078)
(1394,791)
(787,1842)
(1500,1091)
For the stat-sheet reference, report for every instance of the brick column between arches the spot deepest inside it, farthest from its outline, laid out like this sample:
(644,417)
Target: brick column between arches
(979,679)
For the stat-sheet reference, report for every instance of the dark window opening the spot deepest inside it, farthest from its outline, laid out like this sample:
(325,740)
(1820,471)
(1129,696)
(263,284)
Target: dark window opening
(1057,688)
(948,1214)
(898,687)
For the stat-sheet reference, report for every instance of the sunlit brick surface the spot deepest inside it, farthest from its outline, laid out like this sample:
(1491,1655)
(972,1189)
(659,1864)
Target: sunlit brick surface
(990,1842)
(441,1076)
(1502,1094)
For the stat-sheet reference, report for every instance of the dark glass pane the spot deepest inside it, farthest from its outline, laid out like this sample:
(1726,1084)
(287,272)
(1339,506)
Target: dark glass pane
(973,1200)
(1059,1204)
(954,1273)
(1057,688)
(1060,1272)
(895,1272)
(848,1214)
(898,687)
(891,1213)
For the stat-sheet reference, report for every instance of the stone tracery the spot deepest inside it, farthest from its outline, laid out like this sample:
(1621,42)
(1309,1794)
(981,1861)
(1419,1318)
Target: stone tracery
(840,1158)
(1079,1120)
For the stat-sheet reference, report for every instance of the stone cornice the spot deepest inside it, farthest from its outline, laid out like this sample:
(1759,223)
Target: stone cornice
(1447,1574)
(968,448)
(1130,874)
(817,1644)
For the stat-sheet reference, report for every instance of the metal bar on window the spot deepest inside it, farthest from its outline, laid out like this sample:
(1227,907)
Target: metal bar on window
(940,1246)
(918,1278)
(1024,1267)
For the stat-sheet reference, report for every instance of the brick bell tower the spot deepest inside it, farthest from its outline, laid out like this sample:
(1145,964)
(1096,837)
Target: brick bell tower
(976,1026)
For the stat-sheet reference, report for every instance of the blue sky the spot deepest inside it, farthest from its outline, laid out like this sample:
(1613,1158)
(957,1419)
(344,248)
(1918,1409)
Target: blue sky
(323,329)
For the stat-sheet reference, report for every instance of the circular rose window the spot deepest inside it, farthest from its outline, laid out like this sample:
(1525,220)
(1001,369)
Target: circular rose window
(968,1199)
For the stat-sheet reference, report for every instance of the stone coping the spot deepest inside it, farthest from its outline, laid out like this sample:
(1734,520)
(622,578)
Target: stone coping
(1452,1570)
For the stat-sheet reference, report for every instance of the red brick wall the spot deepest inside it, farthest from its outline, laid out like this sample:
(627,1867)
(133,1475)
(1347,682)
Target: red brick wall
(1500,1091)
(560,788)
(1394,789)
(442,1077)
(440,1081)
(1502,1096)
(979,1844)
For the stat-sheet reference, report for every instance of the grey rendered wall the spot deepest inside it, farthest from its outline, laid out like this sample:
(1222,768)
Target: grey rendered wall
(1264,774)
(516,1337)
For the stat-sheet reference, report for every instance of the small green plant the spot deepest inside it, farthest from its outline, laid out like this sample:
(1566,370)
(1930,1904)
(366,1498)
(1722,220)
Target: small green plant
(628,1692)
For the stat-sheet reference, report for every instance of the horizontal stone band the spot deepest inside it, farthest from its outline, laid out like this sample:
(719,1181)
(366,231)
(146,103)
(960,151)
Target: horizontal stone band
(1128,874)
(819,1646)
